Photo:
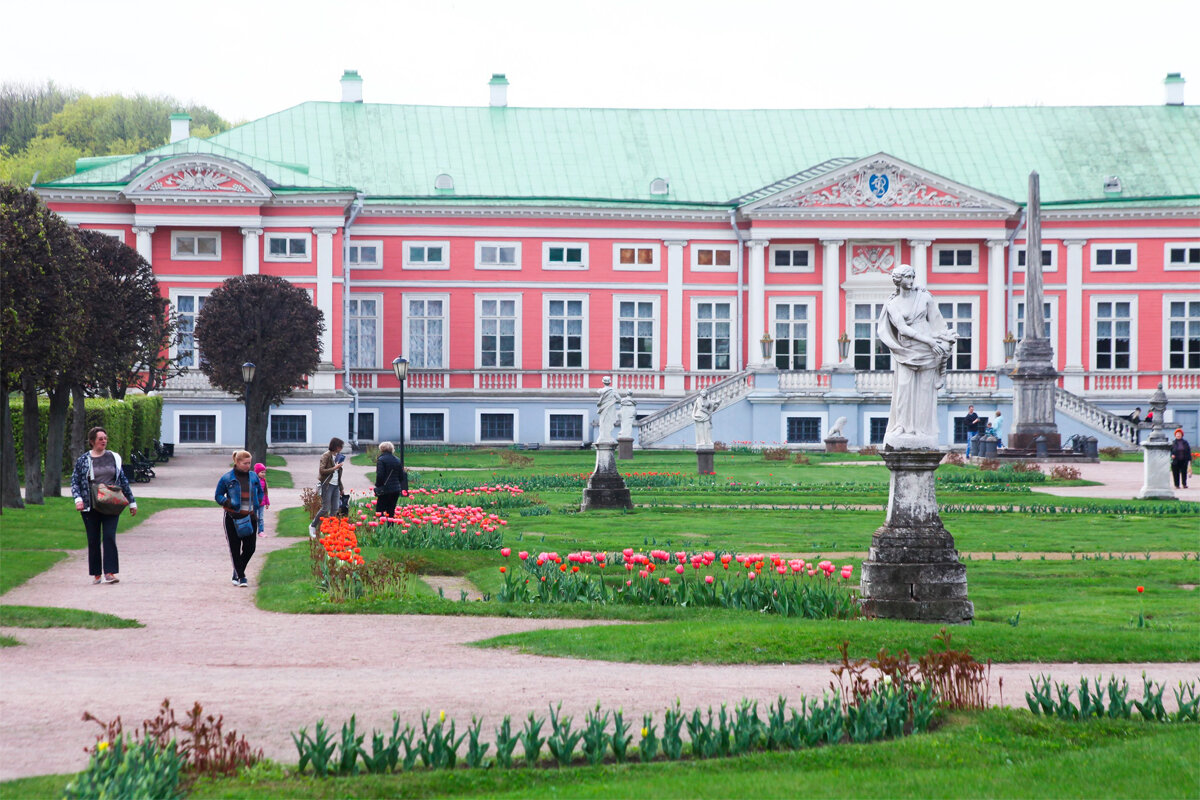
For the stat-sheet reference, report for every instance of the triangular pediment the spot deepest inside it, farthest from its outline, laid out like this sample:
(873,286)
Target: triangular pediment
(878,183)
(195,176)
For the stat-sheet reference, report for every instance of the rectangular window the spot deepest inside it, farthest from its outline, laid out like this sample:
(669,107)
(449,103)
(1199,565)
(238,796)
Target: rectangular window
(497,332)
(635,257)
(564,333)
(1182,255)
(791,258)
(566,427)
(366,425)
(1048,261)
(496,427)
(196,245)
(955,258)
(1114,257)
(712,258)
(869,353)
(1112,344)
(362,344)
(187,308)
(287,247)
(497,255)
(559,255)
(960,429)
(635,334)
(960,318)
(803,430)
(289,428)
(1183,326)
(876,428)
(365,254)
(1047,313)
(426,326)
(198,428)
(426,255)
(424,427)
(714,334)
(791,335)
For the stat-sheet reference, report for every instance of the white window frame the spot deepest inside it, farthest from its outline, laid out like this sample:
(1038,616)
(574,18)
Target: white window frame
(479,256)
(810,302)
(173,295)
(198,412)
(546,263)
(1172,267)
(177,256)
(937,249)
(716,248)
(810,249)
(786,415)
(378,298)
(654,248)
(586,338)
(976,325)
(1167,299)
(445,412)
(734,340)
(1133,256)
(406,333)
(409,264)
(479,412)
(864,436)
(1051,332)
(377,244)
(864,297)
(374,412)
(656,356)
(1019,247)
(478,332)
(308,248)
(119,235)
(1094,301)
(284,411)
(572,412)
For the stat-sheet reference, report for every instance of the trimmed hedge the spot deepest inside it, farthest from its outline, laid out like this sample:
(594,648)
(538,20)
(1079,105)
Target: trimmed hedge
(132,424)
(147,420)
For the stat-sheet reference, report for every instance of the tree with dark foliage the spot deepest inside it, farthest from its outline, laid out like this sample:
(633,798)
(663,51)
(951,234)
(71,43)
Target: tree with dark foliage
(270,322)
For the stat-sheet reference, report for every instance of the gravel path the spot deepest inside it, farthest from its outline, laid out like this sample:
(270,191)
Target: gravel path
(269,674)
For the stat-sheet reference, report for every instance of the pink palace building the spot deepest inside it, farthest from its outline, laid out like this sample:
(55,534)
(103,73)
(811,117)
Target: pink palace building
(516,256)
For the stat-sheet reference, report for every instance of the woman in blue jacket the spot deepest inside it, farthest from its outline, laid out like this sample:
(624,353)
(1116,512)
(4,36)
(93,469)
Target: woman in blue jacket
(239,492)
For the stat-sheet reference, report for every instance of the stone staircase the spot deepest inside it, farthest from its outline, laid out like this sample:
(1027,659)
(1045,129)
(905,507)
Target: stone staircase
(1095,417)
(678,416)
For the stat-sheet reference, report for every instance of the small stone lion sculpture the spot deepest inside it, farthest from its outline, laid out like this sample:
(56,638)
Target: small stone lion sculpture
(836,430)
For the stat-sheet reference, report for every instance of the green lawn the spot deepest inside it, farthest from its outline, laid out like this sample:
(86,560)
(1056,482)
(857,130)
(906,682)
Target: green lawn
(42,617)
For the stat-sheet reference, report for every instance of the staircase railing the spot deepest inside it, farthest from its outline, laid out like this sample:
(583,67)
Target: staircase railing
(678,415)
(1095,417)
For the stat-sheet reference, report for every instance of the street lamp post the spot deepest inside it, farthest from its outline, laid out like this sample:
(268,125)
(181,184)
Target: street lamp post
(400,367)
(247,378)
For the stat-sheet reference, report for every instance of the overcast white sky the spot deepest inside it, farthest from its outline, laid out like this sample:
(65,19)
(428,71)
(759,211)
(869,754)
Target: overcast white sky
(246,58)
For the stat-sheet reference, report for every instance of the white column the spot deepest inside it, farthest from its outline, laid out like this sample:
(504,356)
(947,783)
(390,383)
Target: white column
(323,380)
(756,304)
(1073,371)
(144,247)
(673,372)
(920,259)
(250,239)
(997,319)
(831,295)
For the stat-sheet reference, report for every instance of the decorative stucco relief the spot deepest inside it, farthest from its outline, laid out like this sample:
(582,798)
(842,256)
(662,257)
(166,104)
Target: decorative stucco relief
(882,185)
(196,180)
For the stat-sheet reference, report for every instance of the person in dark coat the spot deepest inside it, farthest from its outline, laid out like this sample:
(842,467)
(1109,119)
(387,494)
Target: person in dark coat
(390,479)
(971,423)
(100,465)
(1181,459)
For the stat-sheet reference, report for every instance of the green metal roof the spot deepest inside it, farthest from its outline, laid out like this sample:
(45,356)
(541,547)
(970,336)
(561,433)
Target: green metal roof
(708,156)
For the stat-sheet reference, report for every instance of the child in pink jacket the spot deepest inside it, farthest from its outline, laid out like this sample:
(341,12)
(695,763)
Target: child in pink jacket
(261,470)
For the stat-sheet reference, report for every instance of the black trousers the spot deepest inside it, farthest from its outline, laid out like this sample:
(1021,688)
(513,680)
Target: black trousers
(240,547)
(1179,474)
(102,542)
(386,502)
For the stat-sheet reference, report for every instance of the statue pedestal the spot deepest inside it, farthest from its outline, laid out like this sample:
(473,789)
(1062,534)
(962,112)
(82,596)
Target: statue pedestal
(835,444)
(1156,470)
(913,571)
(606,488)
(704,462)
(624,447)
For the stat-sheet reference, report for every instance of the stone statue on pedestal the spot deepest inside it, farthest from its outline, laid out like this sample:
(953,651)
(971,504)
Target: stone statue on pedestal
(626,414)
(702,413)
(606,406)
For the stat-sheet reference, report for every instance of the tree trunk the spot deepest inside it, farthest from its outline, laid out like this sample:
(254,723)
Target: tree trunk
(79,426)
(32,445)
(256,433)
(10,487)
(60,399)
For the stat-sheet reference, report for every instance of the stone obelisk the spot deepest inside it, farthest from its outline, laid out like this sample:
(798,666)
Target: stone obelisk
(1035,380)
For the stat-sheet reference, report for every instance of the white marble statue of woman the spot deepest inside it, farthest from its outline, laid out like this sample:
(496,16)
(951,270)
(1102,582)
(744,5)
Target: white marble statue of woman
(606,406)
(626,415)
(913,329)
(702,413)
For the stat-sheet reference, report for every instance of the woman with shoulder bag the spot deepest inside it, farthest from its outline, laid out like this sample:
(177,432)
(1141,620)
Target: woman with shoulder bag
(329,480)
(99,471)
(389,479)
(239,492)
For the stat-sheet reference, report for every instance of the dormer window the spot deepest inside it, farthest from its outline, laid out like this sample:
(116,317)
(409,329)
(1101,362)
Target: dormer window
(443,183)
(660,186)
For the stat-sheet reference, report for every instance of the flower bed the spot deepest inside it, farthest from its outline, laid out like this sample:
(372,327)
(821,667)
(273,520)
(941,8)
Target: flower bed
(442,527)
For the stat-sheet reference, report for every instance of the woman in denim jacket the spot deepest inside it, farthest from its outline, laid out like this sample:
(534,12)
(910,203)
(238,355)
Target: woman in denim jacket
(240,494)
(103,466)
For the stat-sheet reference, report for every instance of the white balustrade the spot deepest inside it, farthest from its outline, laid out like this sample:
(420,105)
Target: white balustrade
(425,379)
(497,380)
(564,380)
(638,381)
(1095,417)
(1182,381)
(873,382)
(802,380)
(362,380)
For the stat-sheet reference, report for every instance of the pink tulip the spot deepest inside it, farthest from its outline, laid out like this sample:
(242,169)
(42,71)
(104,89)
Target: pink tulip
(506,551)
(679,569)
(708,578)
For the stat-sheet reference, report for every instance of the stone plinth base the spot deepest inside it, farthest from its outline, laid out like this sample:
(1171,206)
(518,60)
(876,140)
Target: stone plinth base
(1156,470)
(624,447)
(704,462)
(1025,441)
(912,571)
(606,488)
(835,444)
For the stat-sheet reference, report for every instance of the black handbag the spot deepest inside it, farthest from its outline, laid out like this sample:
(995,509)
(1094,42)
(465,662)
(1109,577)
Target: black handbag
(344,505)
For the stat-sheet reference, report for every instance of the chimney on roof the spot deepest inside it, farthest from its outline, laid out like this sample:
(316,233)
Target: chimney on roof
(181,126)
(499,90)
(351,86)
(1174,84)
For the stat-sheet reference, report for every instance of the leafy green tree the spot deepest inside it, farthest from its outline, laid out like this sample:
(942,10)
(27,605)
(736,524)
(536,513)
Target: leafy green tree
(25,108)
(47,157)
(270,322)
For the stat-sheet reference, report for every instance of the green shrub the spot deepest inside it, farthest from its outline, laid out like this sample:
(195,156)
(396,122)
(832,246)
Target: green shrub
(116,417)
(131,771)
(146,412)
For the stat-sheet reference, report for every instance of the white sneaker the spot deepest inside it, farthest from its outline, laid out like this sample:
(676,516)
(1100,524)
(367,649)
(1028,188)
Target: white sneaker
(312,531)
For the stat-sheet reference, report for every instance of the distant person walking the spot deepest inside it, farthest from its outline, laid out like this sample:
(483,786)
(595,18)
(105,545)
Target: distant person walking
(260,470)
(389,479)
(971,423)
(329,483)
(998,423)
(100,466)
(1181,459)
(240,493)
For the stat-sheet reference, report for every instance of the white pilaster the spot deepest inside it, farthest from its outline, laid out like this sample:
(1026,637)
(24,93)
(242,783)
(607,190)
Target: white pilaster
(920,259)
(756,303)
(673,372)
(144,247)
(831,265)
(997,319)
(250,239)
(323,380)
(1073,368)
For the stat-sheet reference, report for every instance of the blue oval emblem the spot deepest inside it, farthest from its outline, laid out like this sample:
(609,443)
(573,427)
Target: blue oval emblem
(879,185)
